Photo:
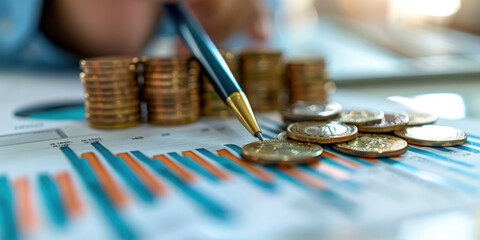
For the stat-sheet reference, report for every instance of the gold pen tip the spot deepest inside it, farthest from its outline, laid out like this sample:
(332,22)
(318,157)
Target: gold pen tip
(259,135)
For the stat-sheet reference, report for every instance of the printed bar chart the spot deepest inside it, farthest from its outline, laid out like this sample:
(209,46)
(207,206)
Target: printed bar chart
(116,181)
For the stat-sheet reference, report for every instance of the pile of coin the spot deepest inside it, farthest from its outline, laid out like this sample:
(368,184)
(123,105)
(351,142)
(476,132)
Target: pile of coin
(112,98)
(363,133)
(212,104)
(262,80)
(171,90)
(307,81)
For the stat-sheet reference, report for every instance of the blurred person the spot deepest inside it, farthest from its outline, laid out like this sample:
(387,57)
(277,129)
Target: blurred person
(57,33)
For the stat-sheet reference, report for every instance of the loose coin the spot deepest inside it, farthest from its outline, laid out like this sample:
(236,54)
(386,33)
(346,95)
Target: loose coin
(322,132)
(373,145)
(312,111)
(419,118)
(281,152)
(282,136)
(361,117)
(433,135)
(391,122)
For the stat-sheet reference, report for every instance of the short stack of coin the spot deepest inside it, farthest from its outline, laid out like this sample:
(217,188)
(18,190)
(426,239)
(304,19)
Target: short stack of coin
(171,90)
(212,104)
(112,98)
(262,79)
(307,81)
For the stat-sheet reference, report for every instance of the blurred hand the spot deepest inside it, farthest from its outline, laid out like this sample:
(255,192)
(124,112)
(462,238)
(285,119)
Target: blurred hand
(221,18)
(123,27)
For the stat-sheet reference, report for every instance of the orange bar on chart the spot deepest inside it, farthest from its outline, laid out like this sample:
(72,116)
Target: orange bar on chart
(24,205)
(147,178)
(332,171)
(369,160)
(207,166)
(306,179)
(114,192)
(69,195)
(175,168)
(261,175)
(341,160)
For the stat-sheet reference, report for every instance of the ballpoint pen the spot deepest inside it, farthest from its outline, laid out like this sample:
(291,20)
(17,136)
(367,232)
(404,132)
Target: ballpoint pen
(214,65)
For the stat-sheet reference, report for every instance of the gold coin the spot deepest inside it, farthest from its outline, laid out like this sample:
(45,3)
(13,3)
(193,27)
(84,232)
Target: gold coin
(361,117)
(114,111)
(281,152)
(168,122)
(112,98)
(390,123)
(171,82)
(171,88)
(112,91)
(95,77)
(419,118)
(111,86)
(312,111)
(158,100)
(114,125)
(107,62)
(132,69)
(165,61)
(218,114)
(173,114)
(111,104)
(154,76)
(174,110)
(315,64)
(169,92)
(322,132)
(433,135)
(113,116)
(373,145)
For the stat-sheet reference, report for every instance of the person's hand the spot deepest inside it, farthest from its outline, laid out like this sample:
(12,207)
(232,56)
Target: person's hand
(123,27)
(222,18)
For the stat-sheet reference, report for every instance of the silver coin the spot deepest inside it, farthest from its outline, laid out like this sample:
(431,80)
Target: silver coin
(311,111)
(390,123)
(361,117)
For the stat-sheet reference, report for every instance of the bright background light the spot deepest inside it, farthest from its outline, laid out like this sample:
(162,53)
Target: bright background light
(443,105)
(432,8)
(435,8)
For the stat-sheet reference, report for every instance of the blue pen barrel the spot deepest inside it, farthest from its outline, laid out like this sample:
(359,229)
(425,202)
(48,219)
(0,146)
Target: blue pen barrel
(205,51)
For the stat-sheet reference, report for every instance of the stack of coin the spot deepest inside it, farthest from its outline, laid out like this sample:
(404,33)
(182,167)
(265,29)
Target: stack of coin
(171,90)
(112,98)
(262,79)
(212,104)
(307,81)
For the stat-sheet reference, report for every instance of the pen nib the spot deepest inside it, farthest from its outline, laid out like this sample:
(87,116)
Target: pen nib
(259,136)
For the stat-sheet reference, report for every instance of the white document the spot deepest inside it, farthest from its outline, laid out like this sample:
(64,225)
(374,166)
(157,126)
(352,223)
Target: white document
(227,198)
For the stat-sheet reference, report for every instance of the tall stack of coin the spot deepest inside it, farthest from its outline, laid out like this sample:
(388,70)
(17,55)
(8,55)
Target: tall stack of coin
(171,90)
(112,98)
(212,104)
(307,81)
(262,79)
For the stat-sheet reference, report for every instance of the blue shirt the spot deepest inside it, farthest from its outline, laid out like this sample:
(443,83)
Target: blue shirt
(21,41)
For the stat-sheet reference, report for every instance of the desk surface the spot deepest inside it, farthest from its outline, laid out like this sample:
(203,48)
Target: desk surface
(342,197)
